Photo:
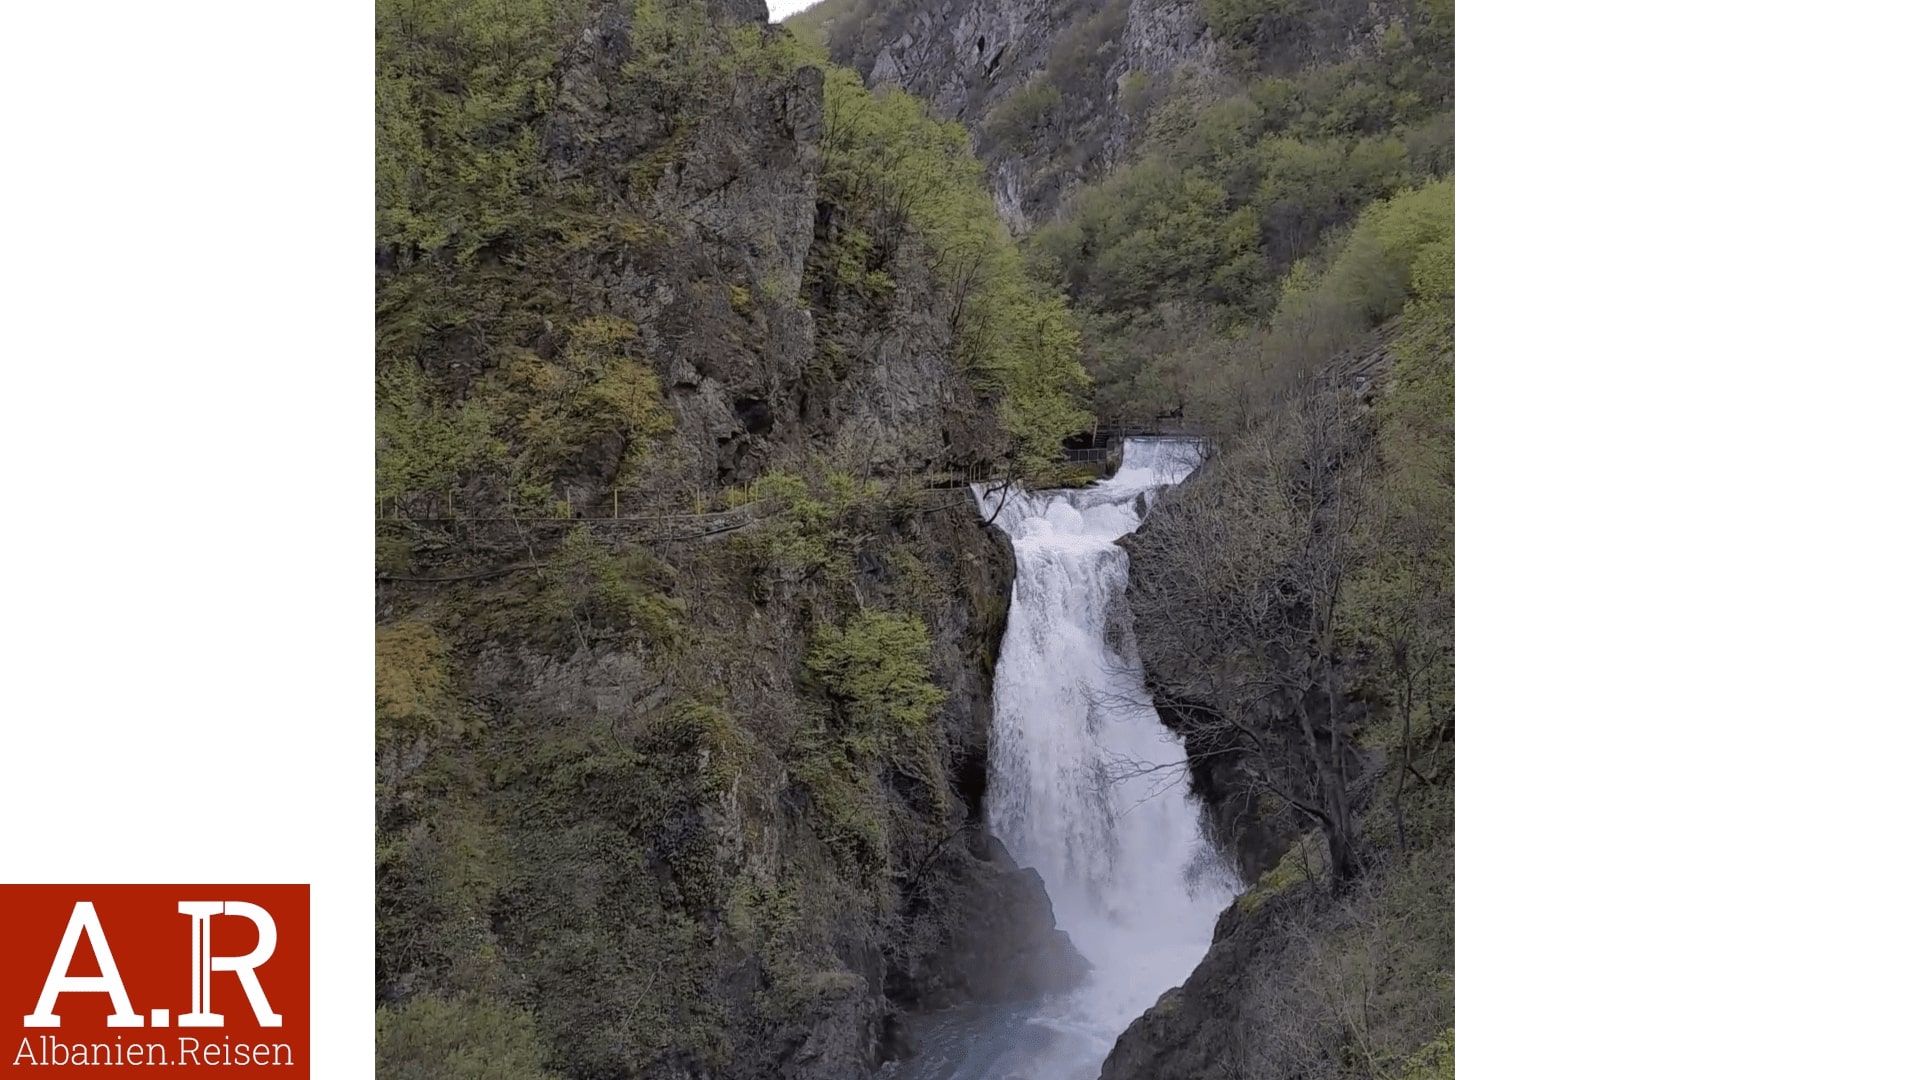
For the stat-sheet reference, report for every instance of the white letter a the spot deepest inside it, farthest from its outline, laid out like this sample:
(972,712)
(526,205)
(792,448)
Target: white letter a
(107,982)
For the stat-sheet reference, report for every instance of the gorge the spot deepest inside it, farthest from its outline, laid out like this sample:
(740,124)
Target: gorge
(771,681)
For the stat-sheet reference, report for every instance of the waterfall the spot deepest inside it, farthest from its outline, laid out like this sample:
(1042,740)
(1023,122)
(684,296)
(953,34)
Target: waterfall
(1085,784)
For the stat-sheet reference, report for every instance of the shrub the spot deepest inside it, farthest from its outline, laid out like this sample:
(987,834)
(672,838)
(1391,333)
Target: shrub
(1226,193)
(1136,93)
(595,389)
(807,527)
(878,666)
(1021,117)
(422,445)
(434,1039)
(875,671)
(413,687)
(1397,243)
(591,593)
(1247,22)
(1434,1061)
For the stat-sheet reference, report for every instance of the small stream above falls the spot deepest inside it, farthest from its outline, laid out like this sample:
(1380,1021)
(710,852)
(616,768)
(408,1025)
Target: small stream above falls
(1086,786)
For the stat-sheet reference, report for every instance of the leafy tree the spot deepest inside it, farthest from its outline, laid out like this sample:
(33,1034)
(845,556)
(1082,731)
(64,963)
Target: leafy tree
(595,390)
(459,90)
(877,664)
(876,670)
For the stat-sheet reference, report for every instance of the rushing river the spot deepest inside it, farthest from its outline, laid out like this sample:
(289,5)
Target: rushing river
(1085,785)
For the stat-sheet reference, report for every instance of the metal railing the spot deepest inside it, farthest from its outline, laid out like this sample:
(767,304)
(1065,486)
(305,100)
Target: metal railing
(440,506)
(1172,426)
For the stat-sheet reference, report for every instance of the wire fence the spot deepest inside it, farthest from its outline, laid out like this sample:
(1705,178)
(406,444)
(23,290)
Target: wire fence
(1170,427)
(494,502)
(485,501)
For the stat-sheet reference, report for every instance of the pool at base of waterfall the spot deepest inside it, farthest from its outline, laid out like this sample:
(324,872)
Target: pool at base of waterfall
(1022,1041)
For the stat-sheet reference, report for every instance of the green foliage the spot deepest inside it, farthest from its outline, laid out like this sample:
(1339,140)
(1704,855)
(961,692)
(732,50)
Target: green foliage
(916,586)
(434,1039)
(1209,232)
(848,28)
(680,55)
(478,240)
(848,807)
(808,525)
(459,90)
(1290,871)
(1227,192)
(1021,118)
(1248,21)
(615,831)
(1359,984)
(1434,1061)
(413,688)
(781,918)
(876,672)
(594,390)
(437,876)
(1023,347)
(438,860)
(902,175)
(618,857)
(703,739)
(769,51)
(1157,233)
(1056,102)
(877,666)
(1136,93)
(1399,604)
(1284,876)
(422,445)
(618,861)
(1079,57)
(392,553)
(1404,241)
(590,593)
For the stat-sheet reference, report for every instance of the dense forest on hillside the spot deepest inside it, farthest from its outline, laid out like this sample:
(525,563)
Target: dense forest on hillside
(686,334)
(1242,173)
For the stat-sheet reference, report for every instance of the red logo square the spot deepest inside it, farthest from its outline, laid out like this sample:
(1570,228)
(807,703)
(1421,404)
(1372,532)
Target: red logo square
(206,980)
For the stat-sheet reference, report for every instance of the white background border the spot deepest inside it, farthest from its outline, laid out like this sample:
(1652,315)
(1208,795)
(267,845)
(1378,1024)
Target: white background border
(188,432)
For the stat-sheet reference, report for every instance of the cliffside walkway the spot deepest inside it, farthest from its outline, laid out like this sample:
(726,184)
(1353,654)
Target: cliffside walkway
(443,509)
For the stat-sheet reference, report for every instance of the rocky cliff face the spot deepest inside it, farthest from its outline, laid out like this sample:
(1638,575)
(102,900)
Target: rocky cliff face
(968,60)
(1303,982)
(684,651)
(1057,93)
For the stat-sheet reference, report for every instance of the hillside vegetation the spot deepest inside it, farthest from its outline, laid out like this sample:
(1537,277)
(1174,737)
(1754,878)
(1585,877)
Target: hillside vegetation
(684,635)
(1235,199)
(681,646)
(1253,222)
(1277,262)
(1294,606)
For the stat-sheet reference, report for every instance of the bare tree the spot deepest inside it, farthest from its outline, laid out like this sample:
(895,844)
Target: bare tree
(1236,589)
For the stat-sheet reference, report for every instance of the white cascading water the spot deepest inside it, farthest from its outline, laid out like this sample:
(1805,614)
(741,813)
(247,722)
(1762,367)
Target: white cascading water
(1085,784)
